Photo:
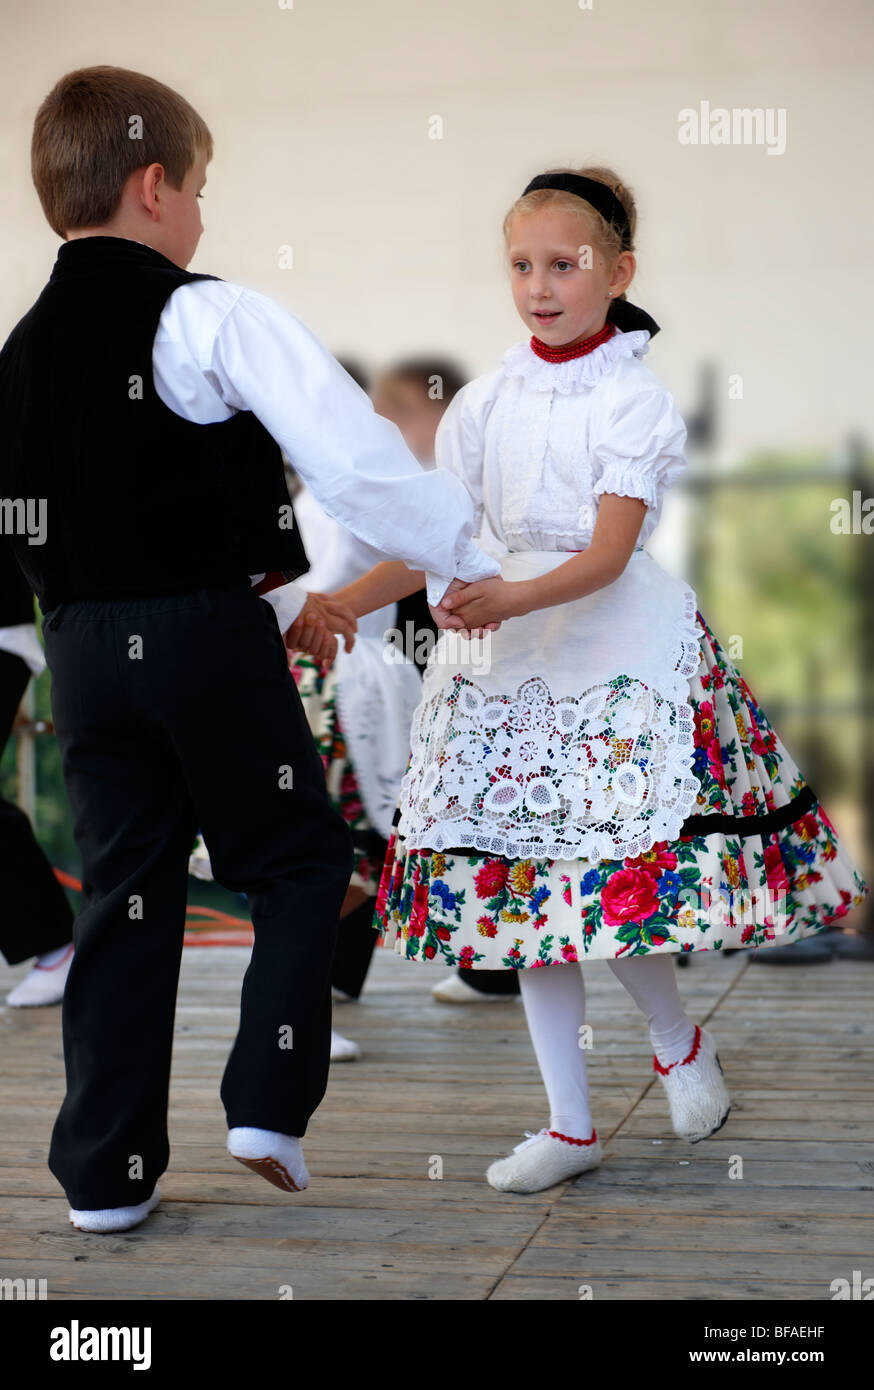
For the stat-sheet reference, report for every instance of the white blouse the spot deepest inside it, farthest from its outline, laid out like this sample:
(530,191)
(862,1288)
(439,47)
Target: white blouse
(537,443)
(567,733)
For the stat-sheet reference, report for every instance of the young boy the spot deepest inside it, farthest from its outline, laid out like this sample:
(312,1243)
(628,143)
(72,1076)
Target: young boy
(145,408)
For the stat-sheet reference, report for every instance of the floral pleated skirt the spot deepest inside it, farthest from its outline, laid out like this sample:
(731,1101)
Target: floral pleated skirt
(759,863)
(316,686)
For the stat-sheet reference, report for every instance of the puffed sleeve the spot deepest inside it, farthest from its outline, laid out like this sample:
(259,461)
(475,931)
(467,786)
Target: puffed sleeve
(637,450)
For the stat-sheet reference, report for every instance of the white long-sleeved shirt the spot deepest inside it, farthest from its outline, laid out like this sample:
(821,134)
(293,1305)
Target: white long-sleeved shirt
(220,348)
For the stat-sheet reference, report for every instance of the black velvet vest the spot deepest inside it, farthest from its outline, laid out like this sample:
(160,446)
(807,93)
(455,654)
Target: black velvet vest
(136,500)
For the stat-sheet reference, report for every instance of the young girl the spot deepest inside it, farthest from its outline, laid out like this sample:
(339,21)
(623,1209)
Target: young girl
(604,785)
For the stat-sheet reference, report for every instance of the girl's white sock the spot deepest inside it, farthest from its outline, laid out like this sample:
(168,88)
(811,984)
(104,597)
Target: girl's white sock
(652,983)
(554,997)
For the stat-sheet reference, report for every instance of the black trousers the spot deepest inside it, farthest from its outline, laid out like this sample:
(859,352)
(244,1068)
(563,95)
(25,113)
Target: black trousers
(356,941)
(36,916)
(173,714)
(491,981)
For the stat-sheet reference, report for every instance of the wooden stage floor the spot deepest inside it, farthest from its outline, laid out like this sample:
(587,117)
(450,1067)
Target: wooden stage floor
(660,1219)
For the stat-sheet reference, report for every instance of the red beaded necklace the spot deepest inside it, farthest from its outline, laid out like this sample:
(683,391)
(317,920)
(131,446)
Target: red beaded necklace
(565,354)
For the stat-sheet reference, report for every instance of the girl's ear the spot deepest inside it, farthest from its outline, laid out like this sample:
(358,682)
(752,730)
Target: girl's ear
(623,272)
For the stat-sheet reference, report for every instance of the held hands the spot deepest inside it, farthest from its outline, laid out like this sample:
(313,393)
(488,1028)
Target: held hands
(476,608)
(441,614)
(314,627)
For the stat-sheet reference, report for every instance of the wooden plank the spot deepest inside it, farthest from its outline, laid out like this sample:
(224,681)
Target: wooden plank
(828,1236)
(661,1219)
(99,1279)
(545,1288)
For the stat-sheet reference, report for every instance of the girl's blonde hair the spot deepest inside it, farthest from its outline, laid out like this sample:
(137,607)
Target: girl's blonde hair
(607,237)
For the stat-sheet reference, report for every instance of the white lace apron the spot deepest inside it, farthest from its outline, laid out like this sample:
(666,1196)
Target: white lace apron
(566,734)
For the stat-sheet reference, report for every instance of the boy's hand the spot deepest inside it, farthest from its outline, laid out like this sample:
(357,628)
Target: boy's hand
(484,604)
(441,615)
(315,625)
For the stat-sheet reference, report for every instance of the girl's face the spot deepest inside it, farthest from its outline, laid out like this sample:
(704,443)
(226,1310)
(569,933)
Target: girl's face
(561,282)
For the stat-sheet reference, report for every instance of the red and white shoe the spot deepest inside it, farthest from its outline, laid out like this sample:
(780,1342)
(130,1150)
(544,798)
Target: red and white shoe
(696,1089)
(543,1160)
(45,981)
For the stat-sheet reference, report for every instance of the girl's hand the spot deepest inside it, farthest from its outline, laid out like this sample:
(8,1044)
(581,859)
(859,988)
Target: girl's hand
(484,604)
(448,621)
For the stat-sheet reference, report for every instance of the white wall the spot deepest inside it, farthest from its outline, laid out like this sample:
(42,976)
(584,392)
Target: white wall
(320,115)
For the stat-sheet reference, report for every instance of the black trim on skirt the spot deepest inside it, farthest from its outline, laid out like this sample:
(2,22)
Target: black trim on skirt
(714,824)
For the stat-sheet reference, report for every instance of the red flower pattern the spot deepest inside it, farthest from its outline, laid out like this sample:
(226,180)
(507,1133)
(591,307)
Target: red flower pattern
(629,895)
(491,878)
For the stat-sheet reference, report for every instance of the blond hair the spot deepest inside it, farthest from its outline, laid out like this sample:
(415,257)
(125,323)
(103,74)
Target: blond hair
(82,152)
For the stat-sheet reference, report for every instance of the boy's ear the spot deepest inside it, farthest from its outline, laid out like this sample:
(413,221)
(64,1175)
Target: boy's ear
(146,184)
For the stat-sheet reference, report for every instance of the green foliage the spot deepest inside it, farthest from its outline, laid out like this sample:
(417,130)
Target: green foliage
(772,572)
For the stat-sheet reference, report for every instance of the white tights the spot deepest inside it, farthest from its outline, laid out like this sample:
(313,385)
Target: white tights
(554,997)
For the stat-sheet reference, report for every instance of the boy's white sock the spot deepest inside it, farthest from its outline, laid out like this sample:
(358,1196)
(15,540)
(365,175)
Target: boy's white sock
(114,1218)
(276,1157)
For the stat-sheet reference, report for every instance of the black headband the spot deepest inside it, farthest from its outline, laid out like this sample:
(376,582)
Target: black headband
(627,317)
(602,198)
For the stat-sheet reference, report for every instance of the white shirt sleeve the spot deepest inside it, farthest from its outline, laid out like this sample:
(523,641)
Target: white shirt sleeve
(638,447)
(248,353)
(336,557)
(458,448)
(287,599)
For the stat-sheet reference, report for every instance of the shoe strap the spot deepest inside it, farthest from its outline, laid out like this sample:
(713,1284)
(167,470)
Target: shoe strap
(554,1134)
(663,1071)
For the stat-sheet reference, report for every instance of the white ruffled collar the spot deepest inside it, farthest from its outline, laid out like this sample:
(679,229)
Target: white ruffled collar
(540,375)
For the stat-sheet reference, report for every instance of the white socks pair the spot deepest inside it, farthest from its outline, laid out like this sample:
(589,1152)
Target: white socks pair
(276,1157)
(554,997)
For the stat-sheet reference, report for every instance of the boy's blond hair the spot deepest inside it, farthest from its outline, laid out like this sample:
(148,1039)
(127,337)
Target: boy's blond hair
(87,142)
